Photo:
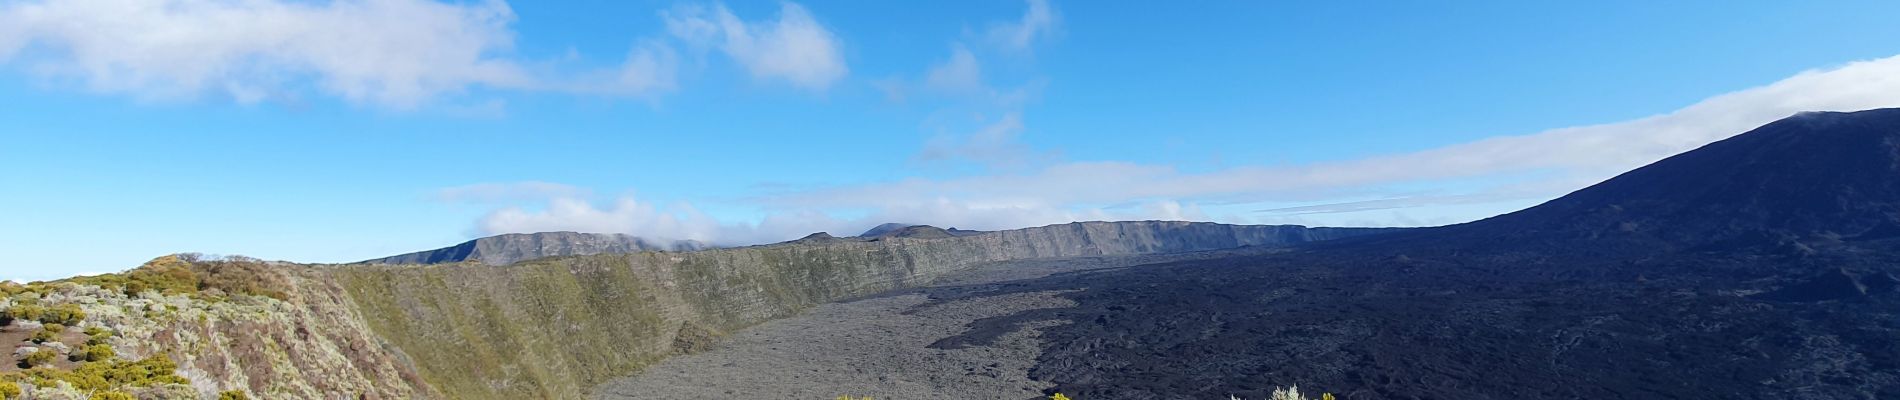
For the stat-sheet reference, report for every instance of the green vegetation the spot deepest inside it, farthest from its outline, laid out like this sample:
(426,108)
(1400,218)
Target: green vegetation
(26,310)
(233,395)
(113,395)
(193,275)
(65,314)
(44,335)
(521,328)
(98,371)
(97,352)
(39,358)
(110,375)
(203,311)
(97,336)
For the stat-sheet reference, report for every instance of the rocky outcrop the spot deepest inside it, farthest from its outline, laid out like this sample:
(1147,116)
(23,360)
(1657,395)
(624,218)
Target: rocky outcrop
(515,247)
(554,327)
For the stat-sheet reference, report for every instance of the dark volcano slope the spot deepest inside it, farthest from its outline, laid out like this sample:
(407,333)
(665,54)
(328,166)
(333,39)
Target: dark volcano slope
(1811,176)
(1758,267)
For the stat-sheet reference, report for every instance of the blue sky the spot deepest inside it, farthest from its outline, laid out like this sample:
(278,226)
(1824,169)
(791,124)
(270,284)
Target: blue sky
(345,130)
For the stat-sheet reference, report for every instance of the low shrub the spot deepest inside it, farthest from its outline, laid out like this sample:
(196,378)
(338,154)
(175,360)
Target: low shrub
(38,358)
(29,312)
(111,375)
(112,395)
(9,390)
(67,314)
(97,352)
(44,335)
(190,274)
(232,395)
(96,336)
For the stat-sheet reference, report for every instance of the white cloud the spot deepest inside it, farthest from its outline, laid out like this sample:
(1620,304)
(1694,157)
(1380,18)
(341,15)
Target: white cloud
(1039,21)
(995,145)
(652,67)
(392,53)
(625,215)
(1577,155)
(960,74)
(649,220)
(631,216)
(795,48)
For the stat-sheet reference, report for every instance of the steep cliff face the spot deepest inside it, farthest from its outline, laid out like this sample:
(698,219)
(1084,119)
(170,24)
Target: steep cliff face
(307,342)
(552,328)
(311,345)
(514,247)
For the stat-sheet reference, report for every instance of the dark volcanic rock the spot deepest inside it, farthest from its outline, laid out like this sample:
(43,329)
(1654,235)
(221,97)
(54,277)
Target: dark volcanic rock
(1720,273)
(510,248)
(1813,174)
(1835,284)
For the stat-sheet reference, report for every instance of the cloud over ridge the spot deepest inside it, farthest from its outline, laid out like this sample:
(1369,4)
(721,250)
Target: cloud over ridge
(1539,165)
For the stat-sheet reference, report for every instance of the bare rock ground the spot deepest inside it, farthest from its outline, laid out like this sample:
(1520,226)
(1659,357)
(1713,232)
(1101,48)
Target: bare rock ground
(880,346)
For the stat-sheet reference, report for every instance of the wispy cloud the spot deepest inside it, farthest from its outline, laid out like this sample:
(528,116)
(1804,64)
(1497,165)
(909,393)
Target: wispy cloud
(1496,173)
(960,74)
(794,48)
(1583,154)
(1491,175)
(1040,20)
(994,145)
(394,53)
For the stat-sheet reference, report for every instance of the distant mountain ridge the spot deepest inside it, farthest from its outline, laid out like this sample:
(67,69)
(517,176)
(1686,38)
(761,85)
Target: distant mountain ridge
(884,228)
(514,247)
(897,229)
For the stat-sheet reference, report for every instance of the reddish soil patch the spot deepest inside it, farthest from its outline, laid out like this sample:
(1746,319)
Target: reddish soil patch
(14,336)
